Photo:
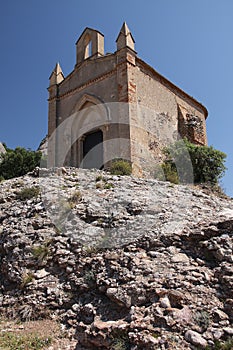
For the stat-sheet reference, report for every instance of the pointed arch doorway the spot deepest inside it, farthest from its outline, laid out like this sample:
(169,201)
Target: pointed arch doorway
(88,133)
(92,150)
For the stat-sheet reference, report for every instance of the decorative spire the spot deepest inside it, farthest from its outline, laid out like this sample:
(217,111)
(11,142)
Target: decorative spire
(57,75)
(125,38)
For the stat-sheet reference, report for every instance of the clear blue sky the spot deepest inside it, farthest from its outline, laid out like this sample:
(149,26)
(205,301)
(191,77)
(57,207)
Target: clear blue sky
(188,41)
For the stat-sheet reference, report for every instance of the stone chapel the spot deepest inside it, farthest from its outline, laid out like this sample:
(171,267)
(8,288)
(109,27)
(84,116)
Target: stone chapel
(115,105)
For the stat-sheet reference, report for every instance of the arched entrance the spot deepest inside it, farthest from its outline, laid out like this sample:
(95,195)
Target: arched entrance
(92,148)
(88,131)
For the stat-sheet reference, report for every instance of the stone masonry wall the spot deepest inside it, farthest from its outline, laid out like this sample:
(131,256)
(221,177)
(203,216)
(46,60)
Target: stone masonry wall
(156,112)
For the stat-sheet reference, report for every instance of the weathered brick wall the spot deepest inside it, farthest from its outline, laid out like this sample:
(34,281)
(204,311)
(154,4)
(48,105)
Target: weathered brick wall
(104,90)
(163,115)
(154,124)
(103,82)
(88,72)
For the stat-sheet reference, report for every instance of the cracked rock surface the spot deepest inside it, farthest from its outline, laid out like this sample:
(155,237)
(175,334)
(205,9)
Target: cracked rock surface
(120,261)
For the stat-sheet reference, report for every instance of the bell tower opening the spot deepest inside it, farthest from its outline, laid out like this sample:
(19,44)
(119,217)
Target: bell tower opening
(88,47)
(89,44)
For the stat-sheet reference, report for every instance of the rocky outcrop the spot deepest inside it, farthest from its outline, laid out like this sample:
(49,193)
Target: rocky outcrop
(124,263)
(43,147)
(2,149)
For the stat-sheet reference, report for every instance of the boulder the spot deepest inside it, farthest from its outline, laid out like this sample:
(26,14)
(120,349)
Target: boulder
(195,338)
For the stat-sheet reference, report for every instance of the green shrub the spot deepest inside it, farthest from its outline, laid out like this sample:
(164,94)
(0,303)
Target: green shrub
(18,162)
(89,277)
(170,172)
(121,167)
(206,163)
(202,318)
(120,340)
(99,178)
(28,193)
(119,344)
(108,185)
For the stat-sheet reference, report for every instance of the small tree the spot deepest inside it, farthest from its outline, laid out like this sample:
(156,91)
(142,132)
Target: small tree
(207,163)
(18,162)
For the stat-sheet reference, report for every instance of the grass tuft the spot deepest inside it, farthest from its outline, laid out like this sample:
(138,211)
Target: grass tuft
(12,341)
(28,193)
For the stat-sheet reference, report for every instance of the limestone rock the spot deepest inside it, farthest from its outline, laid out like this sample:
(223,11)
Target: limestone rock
(228,330)
(180,258)
(195,338)
(119,296)
(165,302)
(2,149)
(138,262)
